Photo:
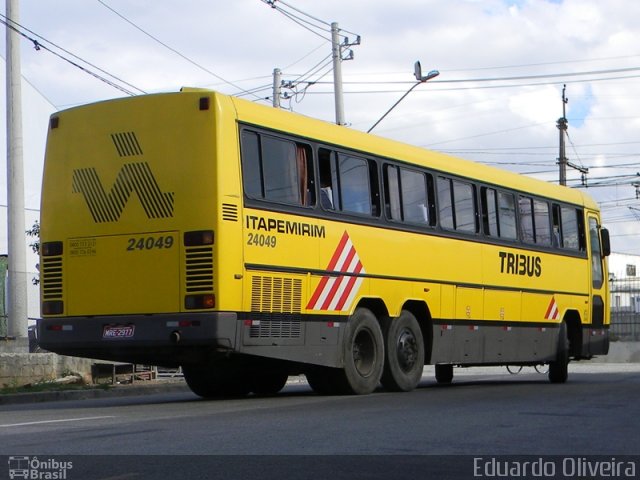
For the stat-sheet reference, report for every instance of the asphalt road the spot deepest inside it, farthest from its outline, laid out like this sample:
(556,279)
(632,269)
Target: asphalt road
(485,412)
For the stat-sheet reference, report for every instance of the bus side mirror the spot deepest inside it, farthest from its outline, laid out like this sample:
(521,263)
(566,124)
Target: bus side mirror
(606,242)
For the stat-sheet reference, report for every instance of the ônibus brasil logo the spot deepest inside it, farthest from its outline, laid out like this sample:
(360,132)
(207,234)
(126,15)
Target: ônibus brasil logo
(34,468)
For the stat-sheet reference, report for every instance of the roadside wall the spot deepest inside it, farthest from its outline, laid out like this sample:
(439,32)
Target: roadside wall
(19,369)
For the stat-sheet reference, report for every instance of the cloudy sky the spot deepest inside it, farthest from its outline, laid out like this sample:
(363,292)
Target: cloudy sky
(502,67)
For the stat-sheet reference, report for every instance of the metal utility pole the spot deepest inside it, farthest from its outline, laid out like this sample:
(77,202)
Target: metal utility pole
(277,84)
(17,298)
(562,125)
(337,73)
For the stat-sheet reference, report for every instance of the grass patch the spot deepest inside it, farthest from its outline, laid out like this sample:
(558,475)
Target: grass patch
(50,387)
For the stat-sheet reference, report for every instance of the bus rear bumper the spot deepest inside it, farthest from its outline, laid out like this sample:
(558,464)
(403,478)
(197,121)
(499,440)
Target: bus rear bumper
(163,339)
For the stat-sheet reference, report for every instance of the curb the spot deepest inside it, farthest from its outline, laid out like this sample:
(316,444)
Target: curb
(92,393)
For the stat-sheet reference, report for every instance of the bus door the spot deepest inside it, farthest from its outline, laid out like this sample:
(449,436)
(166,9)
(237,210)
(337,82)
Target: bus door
(598,249)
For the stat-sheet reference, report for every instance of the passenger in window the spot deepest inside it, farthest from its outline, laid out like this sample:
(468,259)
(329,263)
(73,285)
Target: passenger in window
(326,196)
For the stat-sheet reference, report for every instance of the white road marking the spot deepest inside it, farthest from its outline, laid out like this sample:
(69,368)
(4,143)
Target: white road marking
(41,422)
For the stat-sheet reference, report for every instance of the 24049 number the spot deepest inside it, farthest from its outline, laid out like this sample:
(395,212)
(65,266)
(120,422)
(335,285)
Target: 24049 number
(260,240)
(149,243)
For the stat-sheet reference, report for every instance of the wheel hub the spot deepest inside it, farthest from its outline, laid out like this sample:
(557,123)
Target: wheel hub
(407,350)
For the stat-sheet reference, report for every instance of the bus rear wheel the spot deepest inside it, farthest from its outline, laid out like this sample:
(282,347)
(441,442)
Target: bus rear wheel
(404,353)
(559,369)
(363,353)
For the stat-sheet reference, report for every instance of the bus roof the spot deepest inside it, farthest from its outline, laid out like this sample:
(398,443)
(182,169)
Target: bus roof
(323,131)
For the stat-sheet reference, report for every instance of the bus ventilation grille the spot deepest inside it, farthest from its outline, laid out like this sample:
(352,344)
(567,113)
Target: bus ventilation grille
(126,144)
(199,263)
(52,278)
(276,294)
(276,329)
(229,212)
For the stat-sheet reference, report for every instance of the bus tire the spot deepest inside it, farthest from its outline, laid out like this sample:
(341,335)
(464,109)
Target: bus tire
(444,373)
(559,369)
(269,382)
(363,354)
(209,381)
(404,353)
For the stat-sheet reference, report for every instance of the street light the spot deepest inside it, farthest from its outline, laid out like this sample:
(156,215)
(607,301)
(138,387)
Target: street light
(420,79)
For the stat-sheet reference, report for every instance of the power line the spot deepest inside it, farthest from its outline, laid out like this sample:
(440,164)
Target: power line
(181,55)
(40,46)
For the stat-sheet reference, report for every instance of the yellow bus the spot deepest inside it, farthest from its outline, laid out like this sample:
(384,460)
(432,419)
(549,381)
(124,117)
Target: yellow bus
(246,244)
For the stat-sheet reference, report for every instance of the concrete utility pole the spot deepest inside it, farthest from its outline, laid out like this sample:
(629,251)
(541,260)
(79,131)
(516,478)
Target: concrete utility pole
(337,73)
(17,297)
(562,125)
(277,84)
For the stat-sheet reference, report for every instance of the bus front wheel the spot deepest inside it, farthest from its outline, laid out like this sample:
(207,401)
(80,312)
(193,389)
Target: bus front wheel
(404,353)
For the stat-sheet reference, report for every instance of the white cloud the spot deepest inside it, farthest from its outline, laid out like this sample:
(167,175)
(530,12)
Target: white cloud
(246,39)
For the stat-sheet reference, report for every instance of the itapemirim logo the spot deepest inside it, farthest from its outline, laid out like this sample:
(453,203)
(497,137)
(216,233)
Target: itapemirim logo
(132,177)
(33,468)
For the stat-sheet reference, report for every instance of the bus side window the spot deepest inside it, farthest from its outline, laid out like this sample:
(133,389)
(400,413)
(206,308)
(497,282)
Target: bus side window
(570,232)
(409,195)
(489,212)
(277,169)
(355,184)
(465,216)
(328,180)
(556,226)
(392,189)
(415,197)
(445,203)
(457,205)
(542,222)
(525,209)
(507,216)
(251,167)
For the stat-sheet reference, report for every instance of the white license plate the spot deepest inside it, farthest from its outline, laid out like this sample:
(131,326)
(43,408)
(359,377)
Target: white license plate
(118,331)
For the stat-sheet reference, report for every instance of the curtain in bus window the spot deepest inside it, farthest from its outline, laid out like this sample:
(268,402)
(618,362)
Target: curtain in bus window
(279,167)
(414,196)
(354,184)
(507,215)
(542,222)
(526,220)
(393,185)
(251,177)
(301,161)
(445,206)
(464,207)
(569,220)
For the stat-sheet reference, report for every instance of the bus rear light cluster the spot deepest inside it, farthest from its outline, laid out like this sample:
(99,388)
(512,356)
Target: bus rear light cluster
(197,238)
(200,301)
(52,307)
(60,328)
(183,323)
(51,249)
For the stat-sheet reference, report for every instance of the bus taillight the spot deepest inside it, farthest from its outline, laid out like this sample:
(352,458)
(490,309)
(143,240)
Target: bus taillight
(200,302)
(197,238)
